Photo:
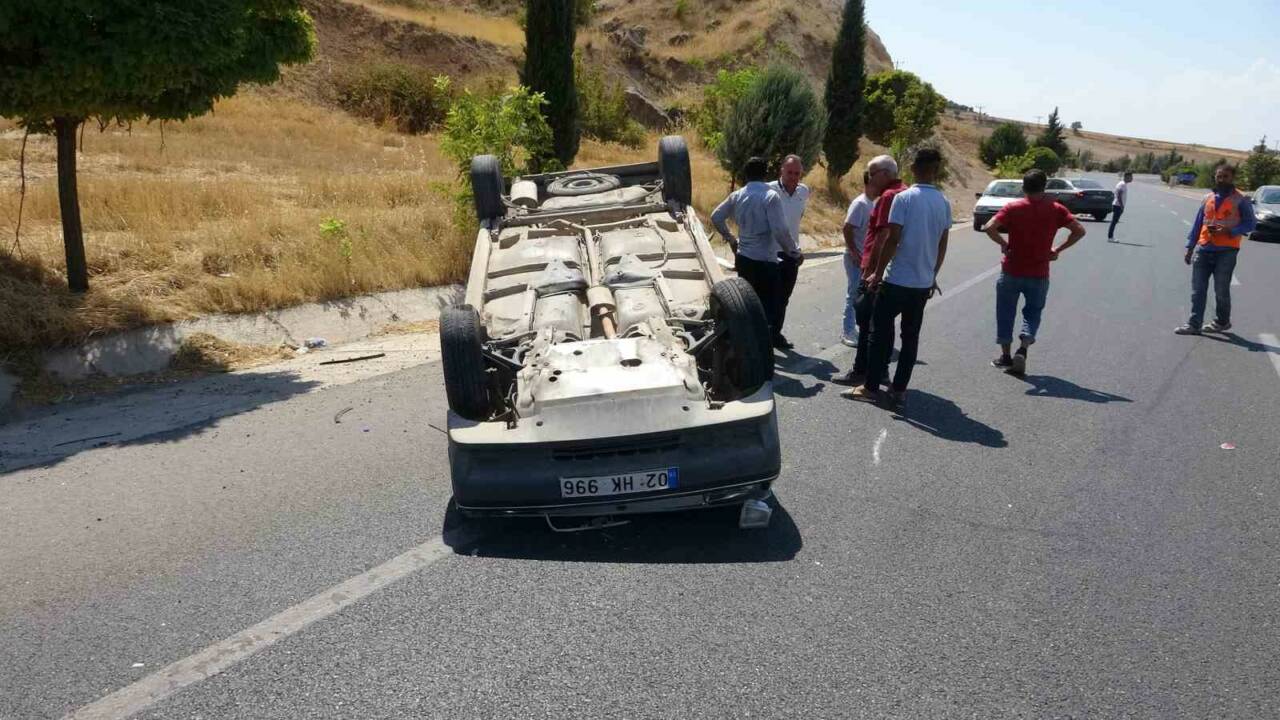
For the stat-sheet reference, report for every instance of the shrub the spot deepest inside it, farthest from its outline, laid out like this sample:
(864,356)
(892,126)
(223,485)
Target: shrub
(900,109)
(778,115)
(409,98)
(1007,139)
(1012,166)
(682,10)
(718,100)
(1262,167)
(1043,158)
(602,108)
(507,123)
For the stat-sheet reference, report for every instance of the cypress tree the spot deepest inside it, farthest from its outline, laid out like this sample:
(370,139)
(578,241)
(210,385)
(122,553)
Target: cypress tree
(846,81)
(549,37)
(1054,135)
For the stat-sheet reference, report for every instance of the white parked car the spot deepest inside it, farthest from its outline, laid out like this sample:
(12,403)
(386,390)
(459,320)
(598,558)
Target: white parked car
(998,194)
(602,364)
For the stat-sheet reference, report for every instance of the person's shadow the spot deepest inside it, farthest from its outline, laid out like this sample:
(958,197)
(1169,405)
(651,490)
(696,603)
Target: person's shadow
(1052,387)
(1233,339)
(944,419)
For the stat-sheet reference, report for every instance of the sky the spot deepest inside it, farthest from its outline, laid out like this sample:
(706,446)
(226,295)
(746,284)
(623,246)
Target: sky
(1191,72)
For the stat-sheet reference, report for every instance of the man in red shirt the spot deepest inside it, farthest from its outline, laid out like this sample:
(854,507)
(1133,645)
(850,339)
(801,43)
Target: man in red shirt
(1031,224)
(882,179)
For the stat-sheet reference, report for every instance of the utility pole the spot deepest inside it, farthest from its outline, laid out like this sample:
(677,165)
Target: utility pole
(980,113)
(1038,119)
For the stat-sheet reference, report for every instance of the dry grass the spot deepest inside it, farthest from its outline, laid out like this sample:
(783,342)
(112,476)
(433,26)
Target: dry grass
(501,31)
(226,216)
(204,353)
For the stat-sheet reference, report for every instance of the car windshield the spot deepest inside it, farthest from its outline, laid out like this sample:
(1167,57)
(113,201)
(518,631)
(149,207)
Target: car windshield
(1270,196)
(1087,184)
(1011,189)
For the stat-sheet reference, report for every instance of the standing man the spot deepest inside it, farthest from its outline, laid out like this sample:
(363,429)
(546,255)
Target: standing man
(855,235)
(906,275)
(1225,217)
(795,196)
(1118,204)
(762,232)
(1032,224)
(882,176)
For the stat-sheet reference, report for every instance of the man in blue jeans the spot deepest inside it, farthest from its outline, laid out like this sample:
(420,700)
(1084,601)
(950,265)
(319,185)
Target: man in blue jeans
(1225,217)
(1031,223)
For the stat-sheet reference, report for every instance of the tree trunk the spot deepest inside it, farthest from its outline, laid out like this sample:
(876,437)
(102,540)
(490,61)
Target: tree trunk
(69,204)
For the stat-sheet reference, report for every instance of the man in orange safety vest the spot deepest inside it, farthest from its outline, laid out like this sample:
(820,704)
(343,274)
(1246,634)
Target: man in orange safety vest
(1225,218)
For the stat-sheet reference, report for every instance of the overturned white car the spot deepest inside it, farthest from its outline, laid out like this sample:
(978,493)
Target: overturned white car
(602,365)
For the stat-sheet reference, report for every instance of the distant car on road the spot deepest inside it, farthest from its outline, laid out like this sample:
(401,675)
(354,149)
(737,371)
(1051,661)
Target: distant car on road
(998,194)
(1266,203)
(1082,196)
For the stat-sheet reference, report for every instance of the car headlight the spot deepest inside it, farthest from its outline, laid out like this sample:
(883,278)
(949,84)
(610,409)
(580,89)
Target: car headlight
(1266,214)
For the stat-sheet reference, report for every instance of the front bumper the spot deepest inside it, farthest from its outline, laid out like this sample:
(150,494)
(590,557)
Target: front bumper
(1267,231)
(719,463)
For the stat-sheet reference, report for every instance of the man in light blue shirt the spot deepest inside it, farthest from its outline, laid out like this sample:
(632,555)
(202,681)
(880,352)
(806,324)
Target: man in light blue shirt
(762,233)
(906,273)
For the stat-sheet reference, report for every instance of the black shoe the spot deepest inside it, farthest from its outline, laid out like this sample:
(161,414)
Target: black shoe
(781,343)
(851,378)
(1003,362)
(1187,329)
(1019,365)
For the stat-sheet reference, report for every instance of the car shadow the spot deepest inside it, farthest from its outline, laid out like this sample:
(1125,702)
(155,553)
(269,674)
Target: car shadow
(944,419)
(1231,338)
(683,538)
(1052,387)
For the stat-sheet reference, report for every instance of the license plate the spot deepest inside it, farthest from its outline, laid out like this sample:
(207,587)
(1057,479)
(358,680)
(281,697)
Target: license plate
(620,484)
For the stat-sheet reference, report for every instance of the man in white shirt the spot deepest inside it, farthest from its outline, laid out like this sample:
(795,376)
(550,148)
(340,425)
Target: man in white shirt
(907,276)
(855,236)
(762,234)
(1118,204)
(795,196)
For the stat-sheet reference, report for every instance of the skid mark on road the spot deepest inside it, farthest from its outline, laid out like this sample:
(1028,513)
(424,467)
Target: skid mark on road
(216,658)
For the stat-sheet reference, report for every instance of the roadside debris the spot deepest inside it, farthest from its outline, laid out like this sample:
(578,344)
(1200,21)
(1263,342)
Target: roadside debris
(360,358)
(1228,446)
(315,343)
(80,440)
(337,419)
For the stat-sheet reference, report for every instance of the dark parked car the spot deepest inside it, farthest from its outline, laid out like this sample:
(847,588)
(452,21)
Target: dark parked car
(1082,196)
(1266,203)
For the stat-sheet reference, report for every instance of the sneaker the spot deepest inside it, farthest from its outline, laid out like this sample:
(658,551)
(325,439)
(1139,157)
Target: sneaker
(1186,330)
(1215,327)
(1003,362)
(851,378)
(1019,364)
(897,399)
(862,393)
(781,343)
(848,341)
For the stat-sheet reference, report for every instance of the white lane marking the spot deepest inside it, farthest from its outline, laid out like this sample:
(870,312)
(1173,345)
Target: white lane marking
(1273,349)
(1186,222)
(203,665)
(830,353)
(1235,281)
(875,449)
(821,261)
(1173,212)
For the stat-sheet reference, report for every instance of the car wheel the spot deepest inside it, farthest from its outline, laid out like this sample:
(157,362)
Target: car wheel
(673,165)
(978,224)
(486,187)
(465,381)
(587,183)
(748,360)
(1100,217)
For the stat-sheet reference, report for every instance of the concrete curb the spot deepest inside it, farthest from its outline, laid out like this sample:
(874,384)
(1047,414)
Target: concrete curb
(150,349)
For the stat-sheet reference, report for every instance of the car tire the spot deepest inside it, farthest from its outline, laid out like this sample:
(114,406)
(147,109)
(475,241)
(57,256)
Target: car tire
(978,224)
(673,166)
(587,183)
(735,306)
(465,381)
(1100,217)
(487,187)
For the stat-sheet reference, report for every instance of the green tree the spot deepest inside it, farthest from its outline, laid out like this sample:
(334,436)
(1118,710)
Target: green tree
(64,61)
(603,107)
(778,115)
(718,100)
(1043,158)
(506,123)
(900,109)
(1076,127)
(1013,167)
(1262,166)
(1053,136)
(549,36)
(1007,139)
(843,96)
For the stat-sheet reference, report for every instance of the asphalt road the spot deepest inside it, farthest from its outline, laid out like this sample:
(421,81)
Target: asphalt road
(1074,544)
